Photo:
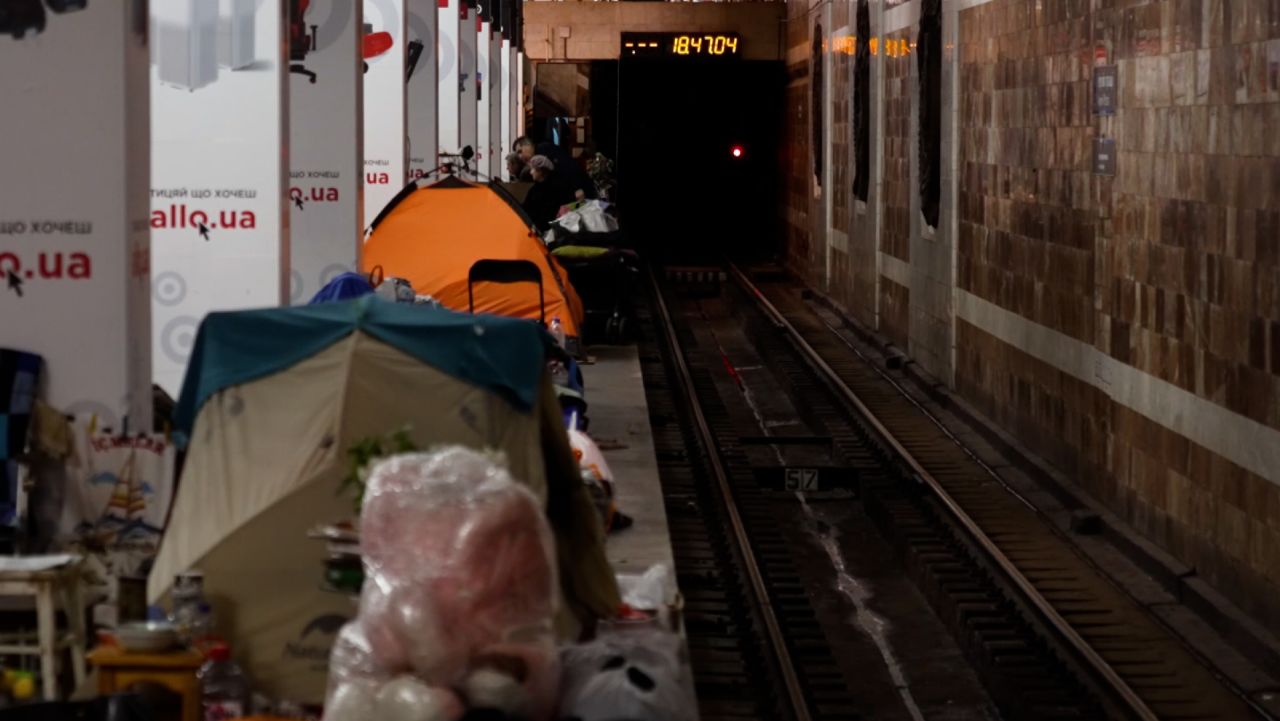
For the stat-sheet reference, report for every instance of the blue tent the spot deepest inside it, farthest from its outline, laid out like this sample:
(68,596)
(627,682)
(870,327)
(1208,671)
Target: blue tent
(343,287)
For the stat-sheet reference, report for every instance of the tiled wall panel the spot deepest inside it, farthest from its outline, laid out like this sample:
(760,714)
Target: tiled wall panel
(895,205)
(1167,270)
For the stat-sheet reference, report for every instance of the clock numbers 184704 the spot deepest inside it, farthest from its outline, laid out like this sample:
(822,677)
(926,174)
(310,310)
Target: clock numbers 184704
(704,45)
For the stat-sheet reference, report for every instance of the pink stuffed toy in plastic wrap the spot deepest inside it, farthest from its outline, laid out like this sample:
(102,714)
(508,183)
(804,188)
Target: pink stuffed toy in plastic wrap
(460,590)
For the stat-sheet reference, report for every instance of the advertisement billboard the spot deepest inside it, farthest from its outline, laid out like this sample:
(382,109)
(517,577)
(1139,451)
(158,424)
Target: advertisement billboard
(483,99)
(326,149)
(507,110)
(493,103)
(468,82)
(449,90)
(423,73)
(219,168)
(385,141)
(74,244)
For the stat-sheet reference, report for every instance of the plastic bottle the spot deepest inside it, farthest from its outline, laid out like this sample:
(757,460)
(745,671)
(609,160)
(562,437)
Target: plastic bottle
(193,619)
(224,688)
(559,374)
(188,598)
(203,631)
(557,331)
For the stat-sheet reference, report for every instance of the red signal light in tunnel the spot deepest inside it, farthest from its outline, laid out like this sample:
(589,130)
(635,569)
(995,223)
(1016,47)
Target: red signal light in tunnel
(737,151)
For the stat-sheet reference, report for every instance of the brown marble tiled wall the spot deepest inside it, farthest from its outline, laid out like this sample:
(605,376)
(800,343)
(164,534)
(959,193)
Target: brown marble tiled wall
(1058,415)
(842,280)
(1026,215)
(864,243)
(1172,266)
(861,282)
(795,148)
(1192,284)
(895,231)
(895,312)
(841,121)
(796,163)
(1189,266)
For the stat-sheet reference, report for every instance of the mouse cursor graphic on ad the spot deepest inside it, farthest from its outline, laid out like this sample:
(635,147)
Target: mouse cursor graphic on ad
(15,282)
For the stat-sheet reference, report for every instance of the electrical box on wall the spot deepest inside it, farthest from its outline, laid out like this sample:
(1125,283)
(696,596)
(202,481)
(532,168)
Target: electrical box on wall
(1104,156)
(1105,86)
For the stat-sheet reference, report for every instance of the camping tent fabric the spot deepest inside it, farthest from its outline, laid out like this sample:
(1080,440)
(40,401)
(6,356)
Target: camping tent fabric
(235,347)
(343,287)
(432,236)
(268,455)
(518,189)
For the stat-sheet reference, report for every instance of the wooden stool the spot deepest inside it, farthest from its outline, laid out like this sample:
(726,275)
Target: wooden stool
(118,671)
(44,584)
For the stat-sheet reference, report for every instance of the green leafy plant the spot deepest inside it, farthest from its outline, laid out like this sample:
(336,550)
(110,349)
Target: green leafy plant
(362,455)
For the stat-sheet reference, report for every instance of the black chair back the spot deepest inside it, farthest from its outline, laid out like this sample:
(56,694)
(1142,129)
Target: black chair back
(506,271)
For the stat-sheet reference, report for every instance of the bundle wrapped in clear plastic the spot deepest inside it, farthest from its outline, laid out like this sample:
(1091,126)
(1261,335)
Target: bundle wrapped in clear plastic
(459,596)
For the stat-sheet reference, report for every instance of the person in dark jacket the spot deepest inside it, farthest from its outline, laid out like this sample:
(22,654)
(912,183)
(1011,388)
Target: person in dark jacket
(567,168)
(517,169)
(548,194)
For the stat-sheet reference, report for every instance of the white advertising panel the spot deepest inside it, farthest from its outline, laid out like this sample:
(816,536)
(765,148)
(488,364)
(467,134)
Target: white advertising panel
(493,95)
(520,90)
(449,14)
(74,254)
(507,110)
(219,166)
(468,84)
(326,153)
(423,71)
(386,154)
(483,98)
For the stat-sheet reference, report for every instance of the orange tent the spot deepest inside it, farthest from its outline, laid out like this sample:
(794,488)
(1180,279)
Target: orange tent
(432,235)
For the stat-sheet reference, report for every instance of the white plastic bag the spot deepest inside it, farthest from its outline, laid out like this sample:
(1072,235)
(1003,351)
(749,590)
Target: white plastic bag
(635,675)
(650,591)
(590,217)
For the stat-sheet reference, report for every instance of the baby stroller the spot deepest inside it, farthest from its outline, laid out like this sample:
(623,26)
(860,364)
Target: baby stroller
(600,267)
(604,281)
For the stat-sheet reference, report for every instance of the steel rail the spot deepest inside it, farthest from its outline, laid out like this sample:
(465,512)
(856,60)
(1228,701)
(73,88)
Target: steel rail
(795,691)
(1121,691)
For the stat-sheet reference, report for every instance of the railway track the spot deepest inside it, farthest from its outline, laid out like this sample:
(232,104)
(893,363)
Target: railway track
(1049,635)
(743,664)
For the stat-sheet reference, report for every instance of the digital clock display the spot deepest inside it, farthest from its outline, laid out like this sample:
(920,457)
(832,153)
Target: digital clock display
(681,45)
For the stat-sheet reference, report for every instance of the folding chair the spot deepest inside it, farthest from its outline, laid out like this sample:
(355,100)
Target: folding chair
(506,271)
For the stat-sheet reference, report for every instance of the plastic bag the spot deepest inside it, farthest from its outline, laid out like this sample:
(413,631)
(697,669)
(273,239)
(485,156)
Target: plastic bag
(650,591)
(589,217)
(396,290)
(636,676)
(459,598)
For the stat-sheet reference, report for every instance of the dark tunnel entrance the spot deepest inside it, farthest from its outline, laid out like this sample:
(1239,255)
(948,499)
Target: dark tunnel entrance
(685,195)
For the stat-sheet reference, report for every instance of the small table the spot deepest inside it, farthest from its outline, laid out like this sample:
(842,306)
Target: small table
(47,580)
(119,670)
